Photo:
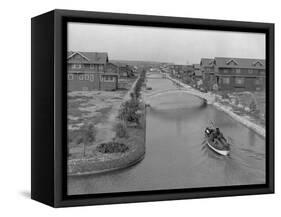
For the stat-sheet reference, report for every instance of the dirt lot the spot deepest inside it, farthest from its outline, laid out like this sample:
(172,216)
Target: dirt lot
(91,107)
(98,108)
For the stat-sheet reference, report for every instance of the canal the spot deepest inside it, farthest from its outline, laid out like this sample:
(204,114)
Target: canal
(176,153)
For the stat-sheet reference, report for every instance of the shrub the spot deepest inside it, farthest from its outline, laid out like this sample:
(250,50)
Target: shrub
(121,129)
(88,135)
(112,147)
(253,107)
(129,110)
(225,96)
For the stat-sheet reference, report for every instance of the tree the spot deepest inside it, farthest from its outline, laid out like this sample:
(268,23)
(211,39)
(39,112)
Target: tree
(253,106)
(236,101)
(88,136)
(121,129)
(129,110)
(215,87)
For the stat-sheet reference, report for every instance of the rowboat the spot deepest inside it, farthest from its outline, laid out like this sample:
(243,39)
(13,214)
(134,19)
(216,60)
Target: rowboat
(218,145)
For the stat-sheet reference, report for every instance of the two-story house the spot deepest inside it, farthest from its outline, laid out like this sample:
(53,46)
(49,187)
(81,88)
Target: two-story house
(240,74)
(88,71)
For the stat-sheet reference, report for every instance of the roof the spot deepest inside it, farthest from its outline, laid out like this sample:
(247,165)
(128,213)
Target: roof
(111,74)
(119,64)
(207,62)
(111,63)
(183,67)
(224,62)
(196,66)
(88,57)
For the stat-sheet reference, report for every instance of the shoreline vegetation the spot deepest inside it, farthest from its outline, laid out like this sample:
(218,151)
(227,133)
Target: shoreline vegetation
(112,142)
(250,116)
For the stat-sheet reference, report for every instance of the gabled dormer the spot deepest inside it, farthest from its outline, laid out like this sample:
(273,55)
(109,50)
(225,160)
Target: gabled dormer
(257,63)
(211,62)
(231,62)
(77,57)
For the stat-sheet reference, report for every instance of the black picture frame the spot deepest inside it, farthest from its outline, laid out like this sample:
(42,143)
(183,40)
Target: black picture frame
(49,103)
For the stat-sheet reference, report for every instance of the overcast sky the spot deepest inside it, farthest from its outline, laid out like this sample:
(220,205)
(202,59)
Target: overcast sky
(178,46)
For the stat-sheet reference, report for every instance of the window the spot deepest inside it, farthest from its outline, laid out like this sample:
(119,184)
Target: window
(226,80)
(238,71)
(108,78)
(87,77)
(259,81)
(92,77)
(94,67)
(239,81)
(262,72)
(225,70)
(70,77)
(81,77)
(76,66)
(250,71)
(100,68)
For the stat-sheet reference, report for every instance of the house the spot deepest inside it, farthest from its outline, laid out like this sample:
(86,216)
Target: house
(208,73)
(88,71)
(112,68)
(197,72)
(125,71)
(109,81)
(240,74)
(185,72)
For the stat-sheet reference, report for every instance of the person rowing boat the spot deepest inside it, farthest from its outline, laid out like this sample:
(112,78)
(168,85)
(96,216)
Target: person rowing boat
(216,141)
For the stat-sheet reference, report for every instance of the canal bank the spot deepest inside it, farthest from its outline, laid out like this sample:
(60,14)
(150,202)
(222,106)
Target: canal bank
(228,110)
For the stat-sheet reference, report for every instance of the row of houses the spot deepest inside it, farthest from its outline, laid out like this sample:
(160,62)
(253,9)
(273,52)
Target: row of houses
(234,74)
(94,71)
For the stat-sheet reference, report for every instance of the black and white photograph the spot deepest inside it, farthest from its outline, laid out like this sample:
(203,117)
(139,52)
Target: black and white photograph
(153,108)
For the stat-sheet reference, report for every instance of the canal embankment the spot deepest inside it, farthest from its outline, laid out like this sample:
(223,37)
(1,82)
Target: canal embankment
(243,119)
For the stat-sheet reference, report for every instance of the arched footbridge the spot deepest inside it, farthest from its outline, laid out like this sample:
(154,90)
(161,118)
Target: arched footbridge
(208,97)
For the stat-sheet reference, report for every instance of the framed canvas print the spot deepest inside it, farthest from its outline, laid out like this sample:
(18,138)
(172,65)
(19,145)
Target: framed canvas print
(131,108)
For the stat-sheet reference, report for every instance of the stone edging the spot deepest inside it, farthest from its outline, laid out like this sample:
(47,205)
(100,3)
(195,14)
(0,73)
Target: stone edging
(258,129)
(132,163)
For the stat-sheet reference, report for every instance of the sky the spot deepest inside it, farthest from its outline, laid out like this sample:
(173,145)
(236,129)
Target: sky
(179,46)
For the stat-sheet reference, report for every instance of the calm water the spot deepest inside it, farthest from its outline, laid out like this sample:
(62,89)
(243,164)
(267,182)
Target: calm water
(176,154)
